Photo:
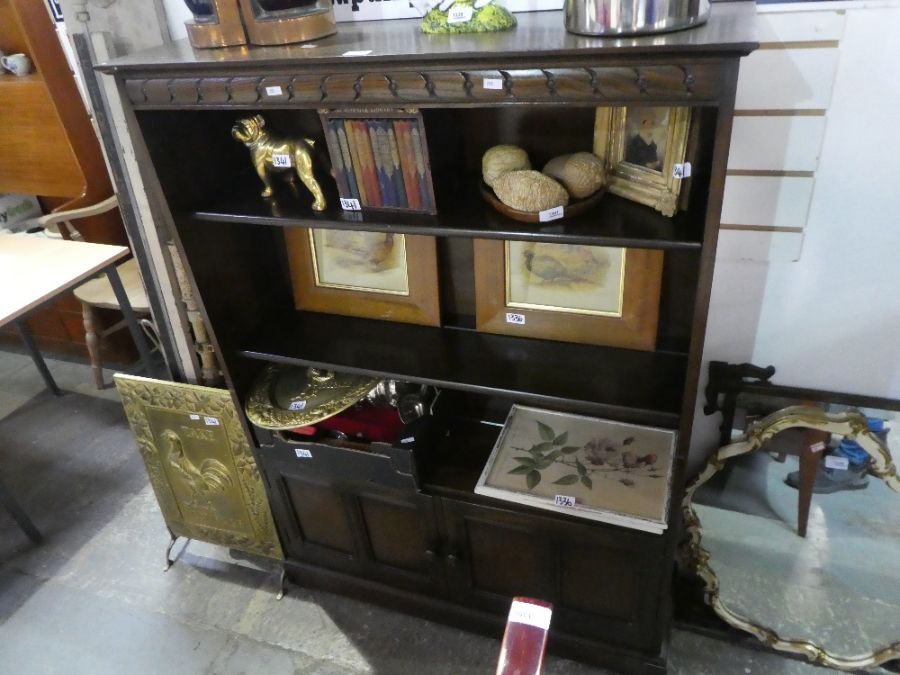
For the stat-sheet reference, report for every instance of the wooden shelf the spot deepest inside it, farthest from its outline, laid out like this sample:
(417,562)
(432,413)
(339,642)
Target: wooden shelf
(10,80)
(614,222)
(644,387)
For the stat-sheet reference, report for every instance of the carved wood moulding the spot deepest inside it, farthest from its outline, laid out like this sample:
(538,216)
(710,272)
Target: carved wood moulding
(692,83)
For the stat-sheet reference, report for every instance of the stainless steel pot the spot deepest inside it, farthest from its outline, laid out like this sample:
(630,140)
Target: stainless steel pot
(633,17)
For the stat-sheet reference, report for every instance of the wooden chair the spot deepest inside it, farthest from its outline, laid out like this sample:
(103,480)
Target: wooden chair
(98,294)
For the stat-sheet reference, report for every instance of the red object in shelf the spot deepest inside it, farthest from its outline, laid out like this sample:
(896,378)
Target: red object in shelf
(363,422)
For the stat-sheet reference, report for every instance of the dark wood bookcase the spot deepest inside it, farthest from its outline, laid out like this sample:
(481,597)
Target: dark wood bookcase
(401,525)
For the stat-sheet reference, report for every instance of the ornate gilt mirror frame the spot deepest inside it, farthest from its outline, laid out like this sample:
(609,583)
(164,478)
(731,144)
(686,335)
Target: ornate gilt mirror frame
(851,425)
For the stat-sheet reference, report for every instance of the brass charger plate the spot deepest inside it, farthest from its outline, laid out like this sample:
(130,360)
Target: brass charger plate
(575,208)
(285,397)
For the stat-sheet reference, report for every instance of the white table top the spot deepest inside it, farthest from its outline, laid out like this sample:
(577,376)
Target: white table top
(34,269)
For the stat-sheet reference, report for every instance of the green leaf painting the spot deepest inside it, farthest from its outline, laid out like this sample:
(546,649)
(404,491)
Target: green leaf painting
(600,457)
(525,468)
(546,431)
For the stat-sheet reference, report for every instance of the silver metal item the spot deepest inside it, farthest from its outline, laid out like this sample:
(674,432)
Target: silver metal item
(633,17)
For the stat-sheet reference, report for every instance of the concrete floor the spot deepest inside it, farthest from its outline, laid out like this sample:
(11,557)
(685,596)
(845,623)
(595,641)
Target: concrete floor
(93,597)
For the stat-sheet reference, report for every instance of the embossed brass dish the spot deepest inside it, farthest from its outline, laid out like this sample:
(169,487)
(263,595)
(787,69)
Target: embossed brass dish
(285,397)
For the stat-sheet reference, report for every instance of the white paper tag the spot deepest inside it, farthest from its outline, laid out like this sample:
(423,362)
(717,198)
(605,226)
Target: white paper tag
(357,52)
(460,14)
(817,447)
(832,462)
(297,405)
(194,416)
(555,213)
(274,91)
(492,83)
(682,170)
(308,46)
(515,318)
(283,161)
(211,421)
(530,615)
(408,439)
(302,453)
(350,204)
(564,500)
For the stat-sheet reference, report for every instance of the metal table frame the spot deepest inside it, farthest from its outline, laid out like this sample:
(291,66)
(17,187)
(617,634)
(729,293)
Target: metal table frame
(6,498)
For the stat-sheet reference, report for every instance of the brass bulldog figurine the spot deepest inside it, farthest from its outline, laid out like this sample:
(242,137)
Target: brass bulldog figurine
(271,154)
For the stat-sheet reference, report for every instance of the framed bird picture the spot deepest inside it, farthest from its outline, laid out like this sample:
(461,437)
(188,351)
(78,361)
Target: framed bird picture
(374,275)
(574,293)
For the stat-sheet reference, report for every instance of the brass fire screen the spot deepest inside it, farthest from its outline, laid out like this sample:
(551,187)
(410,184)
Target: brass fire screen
(200,464)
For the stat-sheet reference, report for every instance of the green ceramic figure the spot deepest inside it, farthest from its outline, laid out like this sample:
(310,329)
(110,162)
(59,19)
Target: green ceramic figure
(467,16)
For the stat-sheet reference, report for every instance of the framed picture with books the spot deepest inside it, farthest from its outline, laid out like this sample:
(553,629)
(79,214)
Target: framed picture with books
(573,293)
(583,466)
(374,275)
(380,158)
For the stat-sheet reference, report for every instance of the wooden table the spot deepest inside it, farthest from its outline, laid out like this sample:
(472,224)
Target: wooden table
(35,271)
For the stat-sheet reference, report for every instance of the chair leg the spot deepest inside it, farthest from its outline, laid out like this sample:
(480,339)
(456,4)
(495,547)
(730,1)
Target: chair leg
(813,446)
(92,339)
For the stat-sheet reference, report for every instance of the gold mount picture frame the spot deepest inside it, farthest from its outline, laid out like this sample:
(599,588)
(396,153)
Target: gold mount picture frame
(632,326)
(323,284)
(660,188)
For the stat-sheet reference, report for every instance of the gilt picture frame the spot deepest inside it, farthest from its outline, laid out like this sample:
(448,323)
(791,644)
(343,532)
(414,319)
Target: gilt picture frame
(588,294)
(641,148)
(373,275)
(581,466)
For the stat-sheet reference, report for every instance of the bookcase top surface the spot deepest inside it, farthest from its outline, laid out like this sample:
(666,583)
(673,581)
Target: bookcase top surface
(731,30)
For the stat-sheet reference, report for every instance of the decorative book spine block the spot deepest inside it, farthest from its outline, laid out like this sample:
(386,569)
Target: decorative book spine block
(380,159)
(356,162)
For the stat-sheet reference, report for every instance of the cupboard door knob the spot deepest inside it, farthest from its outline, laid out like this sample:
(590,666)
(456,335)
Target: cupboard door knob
(452,560)
(430,555)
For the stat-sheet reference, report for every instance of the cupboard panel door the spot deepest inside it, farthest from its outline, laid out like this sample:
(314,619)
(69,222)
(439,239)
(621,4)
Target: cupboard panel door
(316,521)
(362,527)
(400,539)
(604,581)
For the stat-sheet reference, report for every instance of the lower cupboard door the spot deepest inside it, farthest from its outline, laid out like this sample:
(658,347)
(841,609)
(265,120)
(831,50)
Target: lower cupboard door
(604,581)
(360,528)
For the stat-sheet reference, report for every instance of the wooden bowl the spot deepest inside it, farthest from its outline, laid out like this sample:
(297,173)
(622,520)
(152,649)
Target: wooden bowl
(573,209)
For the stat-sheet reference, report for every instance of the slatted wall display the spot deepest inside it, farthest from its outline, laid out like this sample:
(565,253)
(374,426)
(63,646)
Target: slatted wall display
(784,92)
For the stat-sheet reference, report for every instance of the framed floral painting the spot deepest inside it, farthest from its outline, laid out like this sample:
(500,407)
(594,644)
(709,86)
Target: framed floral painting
(583,466)
(375,275)
(590,294)
(643,149)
